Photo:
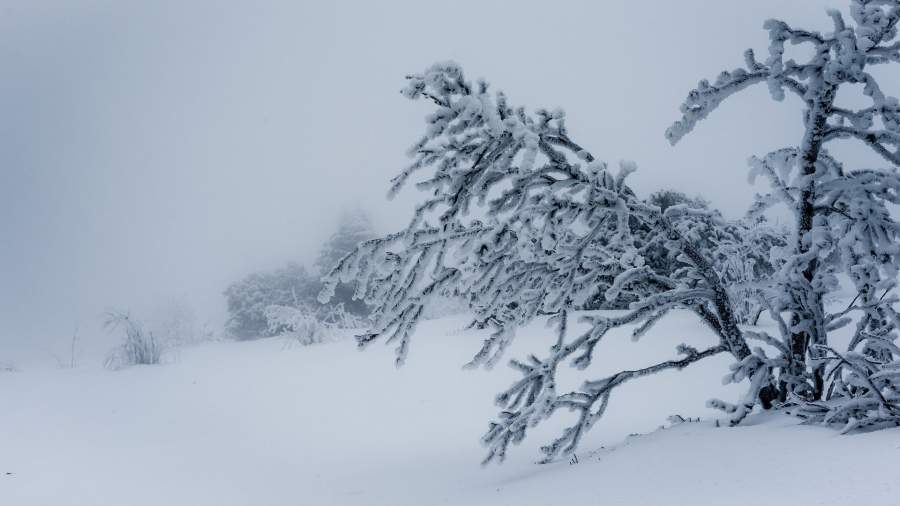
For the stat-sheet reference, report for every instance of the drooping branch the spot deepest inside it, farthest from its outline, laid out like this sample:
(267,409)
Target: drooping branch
(590,403)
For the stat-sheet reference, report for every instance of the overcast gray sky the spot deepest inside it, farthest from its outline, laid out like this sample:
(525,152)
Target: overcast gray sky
(161,149)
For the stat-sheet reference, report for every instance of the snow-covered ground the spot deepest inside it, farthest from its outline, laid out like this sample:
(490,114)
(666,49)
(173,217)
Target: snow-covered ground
(255,423)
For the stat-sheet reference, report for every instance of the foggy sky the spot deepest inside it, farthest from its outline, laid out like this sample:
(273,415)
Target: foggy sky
(162,149)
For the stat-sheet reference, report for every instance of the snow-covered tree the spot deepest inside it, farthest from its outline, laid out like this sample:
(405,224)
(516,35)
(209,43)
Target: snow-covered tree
(522,221)
(248,298)
(294,289)
(843,227)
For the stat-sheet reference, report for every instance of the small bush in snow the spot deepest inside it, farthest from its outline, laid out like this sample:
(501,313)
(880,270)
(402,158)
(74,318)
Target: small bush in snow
(296,325)
(307,325)
(139,347)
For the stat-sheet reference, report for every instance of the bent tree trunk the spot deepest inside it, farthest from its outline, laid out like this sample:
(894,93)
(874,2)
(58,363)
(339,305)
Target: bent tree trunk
(731,335)
(806,320)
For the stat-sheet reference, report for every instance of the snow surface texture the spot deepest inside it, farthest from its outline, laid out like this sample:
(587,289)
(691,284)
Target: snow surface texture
(252,423)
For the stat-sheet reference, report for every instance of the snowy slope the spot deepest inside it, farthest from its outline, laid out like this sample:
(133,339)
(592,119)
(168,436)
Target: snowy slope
(255,424)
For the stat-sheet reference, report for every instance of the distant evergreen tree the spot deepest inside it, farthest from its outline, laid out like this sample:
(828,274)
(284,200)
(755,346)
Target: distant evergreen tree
(248,298)
(254,299)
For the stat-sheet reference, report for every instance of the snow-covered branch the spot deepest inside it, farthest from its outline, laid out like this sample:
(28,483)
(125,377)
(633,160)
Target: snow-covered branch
(534,398)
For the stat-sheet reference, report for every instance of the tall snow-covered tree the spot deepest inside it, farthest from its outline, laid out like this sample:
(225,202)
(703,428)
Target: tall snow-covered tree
(843,224)
(522,221)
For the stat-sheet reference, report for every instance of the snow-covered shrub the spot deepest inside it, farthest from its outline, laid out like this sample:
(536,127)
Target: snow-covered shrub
(307,325)
(139,347)
(523,221)
(337,317)
(296,325)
